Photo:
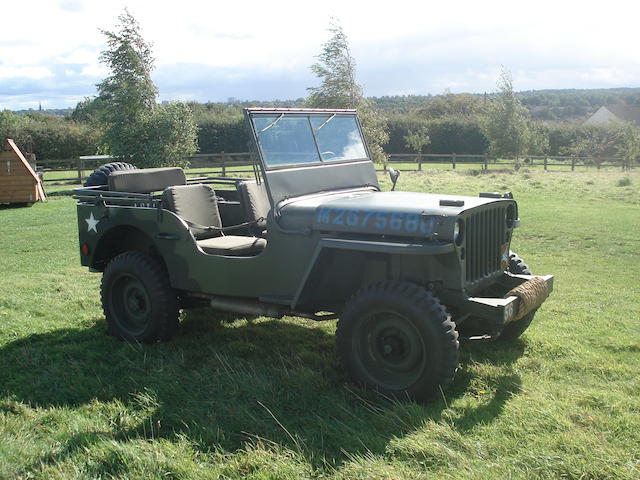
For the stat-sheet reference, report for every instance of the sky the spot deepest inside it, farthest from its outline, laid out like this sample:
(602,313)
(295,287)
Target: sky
(261,50)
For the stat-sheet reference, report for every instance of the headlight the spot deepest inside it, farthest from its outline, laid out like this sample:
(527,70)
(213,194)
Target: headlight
(458,232)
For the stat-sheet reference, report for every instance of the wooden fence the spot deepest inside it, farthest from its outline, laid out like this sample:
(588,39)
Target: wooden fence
(485,161)
(75,170)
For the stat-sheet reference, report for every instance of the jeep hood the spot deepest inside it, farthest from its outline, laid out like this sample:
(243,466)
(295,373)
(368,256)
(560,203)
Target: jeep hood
(381,213)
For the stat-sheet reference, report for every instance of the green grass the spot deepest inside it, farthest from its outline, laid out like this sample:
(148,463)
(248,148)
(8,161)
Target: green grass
(266,399)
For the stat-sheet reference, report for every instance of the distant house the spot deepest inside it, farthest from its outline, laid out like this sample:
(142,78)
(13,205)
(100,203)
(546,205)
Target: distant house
(617,112)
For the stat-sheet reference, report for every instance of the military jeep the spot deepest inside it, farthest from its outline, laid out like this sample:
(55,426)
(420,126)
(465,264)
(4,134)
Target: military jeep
(311,235)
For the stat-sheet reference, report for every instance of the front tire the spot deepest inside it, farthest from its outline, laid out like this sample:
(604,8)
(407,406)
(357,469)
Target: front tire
(138,301)
(396,338)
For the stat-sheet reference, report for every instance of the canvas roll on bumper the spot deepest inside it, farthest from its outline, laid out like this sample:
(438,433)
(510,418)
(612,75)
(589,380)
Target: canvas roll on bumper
(524,293)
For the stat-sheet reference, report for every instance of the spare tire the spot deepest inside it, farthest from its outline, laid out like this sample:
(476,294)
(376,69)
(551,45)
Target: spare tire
(100,175)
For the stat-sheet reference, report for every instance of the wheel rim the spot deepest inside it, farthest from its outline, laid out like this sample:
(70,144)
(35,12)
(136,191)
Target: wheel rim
(390,350)
(130,304)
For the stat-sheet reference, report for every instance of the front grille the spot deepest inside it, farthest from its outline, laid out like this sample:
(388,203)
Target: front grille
(485,235)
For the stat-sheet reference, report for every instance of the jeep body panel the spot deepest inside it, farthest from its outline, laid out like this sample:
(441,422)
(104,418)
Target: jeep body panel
(274,273)
(369,212)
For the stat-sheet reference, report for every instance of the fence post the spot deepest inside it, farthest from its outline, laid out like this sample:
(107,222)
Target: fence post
(546,160)
(420,161)
(79,170)
(573,164)
(224,170)
(453,161)
(486,161)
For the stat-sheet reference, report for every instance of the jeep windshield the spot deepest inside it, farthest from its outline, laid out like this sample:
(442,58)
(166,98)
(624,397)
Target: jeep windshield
(305,151)
(287,139)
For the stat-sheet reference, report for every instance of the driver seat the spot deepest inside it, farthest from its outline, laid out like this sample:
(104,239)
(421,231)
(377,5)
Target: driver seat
(197,205)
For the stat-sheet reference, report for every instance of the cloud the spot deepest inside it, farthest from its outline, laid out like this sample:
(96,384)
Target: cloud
(262,50)
(73,6)
(30,72)
(205,83)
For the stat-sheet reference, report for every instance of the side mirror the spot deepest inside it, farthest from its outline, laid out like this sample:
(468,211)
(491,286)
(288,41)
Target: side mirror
(394,175)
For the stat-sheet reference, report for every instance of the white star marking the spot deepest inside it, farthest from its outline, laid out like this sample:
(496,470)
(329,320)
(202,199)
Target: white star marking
(91,223)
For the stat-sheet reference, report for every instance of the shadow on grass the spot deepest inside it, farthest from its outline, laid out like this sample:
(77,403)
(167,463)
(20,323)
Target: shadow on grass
(222,383)
(12,206)
(67,192)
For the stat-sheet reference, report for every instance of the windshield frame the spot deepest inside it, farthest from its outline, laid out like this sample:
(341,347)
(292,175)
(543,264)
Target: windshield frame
(308,113)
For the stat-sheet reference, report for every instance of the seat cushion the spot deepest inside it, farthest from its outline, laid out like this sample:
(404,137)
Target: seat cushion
(255,202)
(194,203)
(233,245)
(146,180)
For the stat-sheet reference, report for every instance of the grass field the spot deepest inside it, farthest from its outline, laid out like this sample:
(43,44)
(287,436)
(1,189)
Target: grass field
(264,399)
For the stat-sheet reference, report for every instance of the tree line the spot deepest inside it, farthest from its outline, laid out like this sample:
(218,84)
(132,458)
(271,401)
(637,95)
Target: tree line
(126,120)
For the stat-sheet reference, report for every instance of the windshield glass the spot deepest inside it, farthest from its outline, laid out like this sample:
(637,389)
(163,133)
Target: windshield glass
(338,138)
(293,139)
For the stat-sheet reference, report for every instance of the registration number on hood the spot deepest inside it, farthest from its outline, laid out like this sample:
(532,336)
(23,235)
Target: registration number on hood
(377,220)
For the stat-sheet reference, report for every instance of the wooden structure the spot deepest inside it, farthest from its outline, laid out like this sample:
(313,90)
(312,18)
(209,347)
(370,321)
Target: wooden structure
(19,183)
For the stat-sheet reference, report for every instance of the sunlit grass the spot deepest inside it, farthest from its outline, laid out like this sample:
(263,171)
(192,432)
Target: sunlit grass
(237,398)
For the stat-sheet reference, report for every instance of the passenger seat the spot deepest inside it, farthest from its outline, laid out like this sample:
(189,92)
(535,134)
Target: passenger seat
(255,202)
(198,206)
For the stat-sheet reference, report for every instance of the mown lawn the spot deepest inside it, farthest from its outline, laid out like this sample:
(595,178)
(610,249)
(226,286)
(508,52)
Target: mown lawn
(231,398)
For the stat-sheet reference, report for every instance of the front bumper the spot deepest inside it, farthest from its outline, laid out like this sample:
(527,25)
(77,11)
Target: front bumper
(523,294)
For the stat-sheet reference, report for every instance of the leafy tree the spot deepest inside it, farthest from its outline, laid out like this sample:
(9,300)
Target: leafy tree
(417,140)
(593,143)
(452,104)
(506,123)
(339,89)
(538,139)
(48,136)
(60,138)
(628,143)
(15,127)
(136,128)
(448,134)
(88,110)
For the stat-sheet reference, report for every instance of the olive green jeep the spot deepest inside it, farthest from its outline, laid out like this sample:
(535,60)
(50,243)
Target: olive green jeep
(311,235)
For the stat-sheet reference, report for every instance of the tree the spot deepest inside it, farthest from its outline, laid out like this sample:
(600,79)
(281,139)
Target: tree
(452,105)
(417,140)
(593,143)
(49,137)
(506,123)
(136,128)
(628,143)
(339,89)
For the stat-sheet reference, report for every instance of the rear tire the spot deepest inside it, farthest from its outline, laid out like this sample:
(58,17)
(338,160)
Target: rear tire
(514,329)
(138,301)
(100,175)
(396,338)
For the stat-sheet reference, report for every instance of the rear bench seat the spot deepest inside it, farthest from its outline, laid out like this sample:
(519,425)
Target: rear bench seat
(146,180)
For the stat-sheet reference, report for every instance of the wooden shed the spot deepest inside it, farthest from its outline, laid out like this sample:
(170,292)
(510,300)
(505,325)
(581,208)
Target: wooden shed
(19,183)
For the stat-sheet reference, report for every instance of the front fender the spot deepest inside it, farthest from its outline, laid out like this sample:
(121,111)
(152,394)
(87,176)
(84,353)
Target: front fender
(352,264)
